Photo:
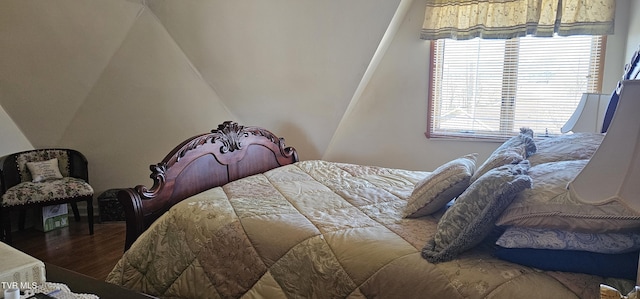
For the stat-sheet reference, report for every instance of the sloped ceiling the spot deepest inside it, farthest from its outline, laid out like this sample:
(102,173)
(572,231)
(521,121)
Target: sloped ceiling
(52,56)
(276,61)
(124,81)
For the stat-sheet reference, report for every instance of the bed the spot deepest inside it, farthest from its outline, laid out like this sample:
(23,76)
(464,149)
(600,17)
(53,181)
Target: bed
(235,214)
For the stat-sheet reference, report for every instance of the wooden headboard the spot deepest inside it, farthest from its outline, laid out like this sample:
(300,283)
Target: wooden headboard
(202,162)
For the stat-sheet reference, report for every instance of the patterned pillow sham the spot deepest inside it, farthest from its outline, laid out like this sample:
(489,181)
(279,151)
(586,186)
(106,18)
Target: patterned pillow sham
(576,146)
(472,216)
(512,151)
(441,186)
(44,170)
(550,205)
(612,243)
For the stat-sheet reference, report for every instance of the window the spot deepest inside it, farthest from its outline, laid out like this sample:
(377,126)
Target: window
(492,88)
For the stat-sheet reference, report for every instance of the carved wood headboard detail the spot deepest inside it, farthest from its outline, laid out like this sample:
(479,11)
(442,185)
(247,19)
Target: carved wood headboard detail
(199,163)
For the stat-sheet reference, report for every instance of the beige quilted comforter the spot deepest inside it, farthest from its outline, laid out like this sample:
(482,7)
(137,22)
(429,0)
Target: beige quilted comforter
(317,229)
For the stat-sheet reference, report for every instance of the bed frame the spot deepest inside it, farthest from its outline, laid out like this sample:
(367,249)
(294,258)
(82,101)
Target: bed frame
(202,162)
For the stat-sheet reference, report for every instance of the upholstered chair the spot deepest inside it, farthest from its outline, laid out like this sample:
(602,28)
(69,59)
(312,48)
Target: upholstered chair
(43,177)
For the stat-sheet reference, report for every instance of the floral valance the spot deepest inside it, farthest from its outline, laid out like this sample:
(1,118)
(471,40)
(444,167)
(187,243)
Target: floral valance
(467,19)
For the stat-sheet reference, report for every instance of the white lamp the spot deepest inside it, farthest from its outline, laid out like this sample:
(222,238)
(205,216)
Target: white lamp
(589,115)
(613,173)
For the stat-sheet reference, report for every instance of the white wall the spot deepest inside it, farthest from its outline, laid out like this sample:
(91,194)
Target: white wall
(124,81)
(617,43)
(633,34)
(387,125)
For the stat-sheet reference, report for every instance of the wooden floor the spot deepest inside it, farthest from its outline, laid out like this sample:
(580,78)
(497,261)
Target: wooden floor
(74,249)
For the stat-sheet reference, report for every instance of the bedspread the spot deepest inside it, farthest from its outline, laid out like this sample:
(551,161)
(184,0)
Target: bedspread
(318,229)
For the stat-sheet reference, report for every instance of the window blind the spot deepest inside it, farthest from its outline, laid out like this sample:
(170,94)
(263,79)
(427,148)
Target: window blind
(491,88)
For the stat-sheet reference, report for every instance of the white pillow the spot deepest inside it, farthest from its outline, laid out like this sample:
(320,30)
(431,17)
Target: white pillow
(45,170)
(441,186)
(576,146)
(550,205)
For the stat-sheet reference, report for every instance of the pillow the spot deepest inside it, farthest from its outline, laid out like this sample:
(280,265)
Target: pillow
(44,170)
(624,265)
(550,205)
(42,155)
(472,216)
(612,243)
(512,151)
(441,186)
(576,146)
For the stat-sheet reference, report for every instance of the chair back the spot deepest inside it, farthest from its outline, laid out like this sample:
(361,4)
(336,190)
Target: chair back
(14,167)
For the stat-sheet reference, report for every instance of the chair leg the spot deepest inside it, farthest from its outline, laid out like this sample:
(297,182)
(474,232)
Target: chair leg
(6,226)
(21,219)
(76,213)
(90,214)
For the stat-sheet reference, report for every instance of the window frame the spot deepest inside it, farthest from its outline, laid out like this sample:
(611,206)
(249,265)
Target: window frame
(429,134)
